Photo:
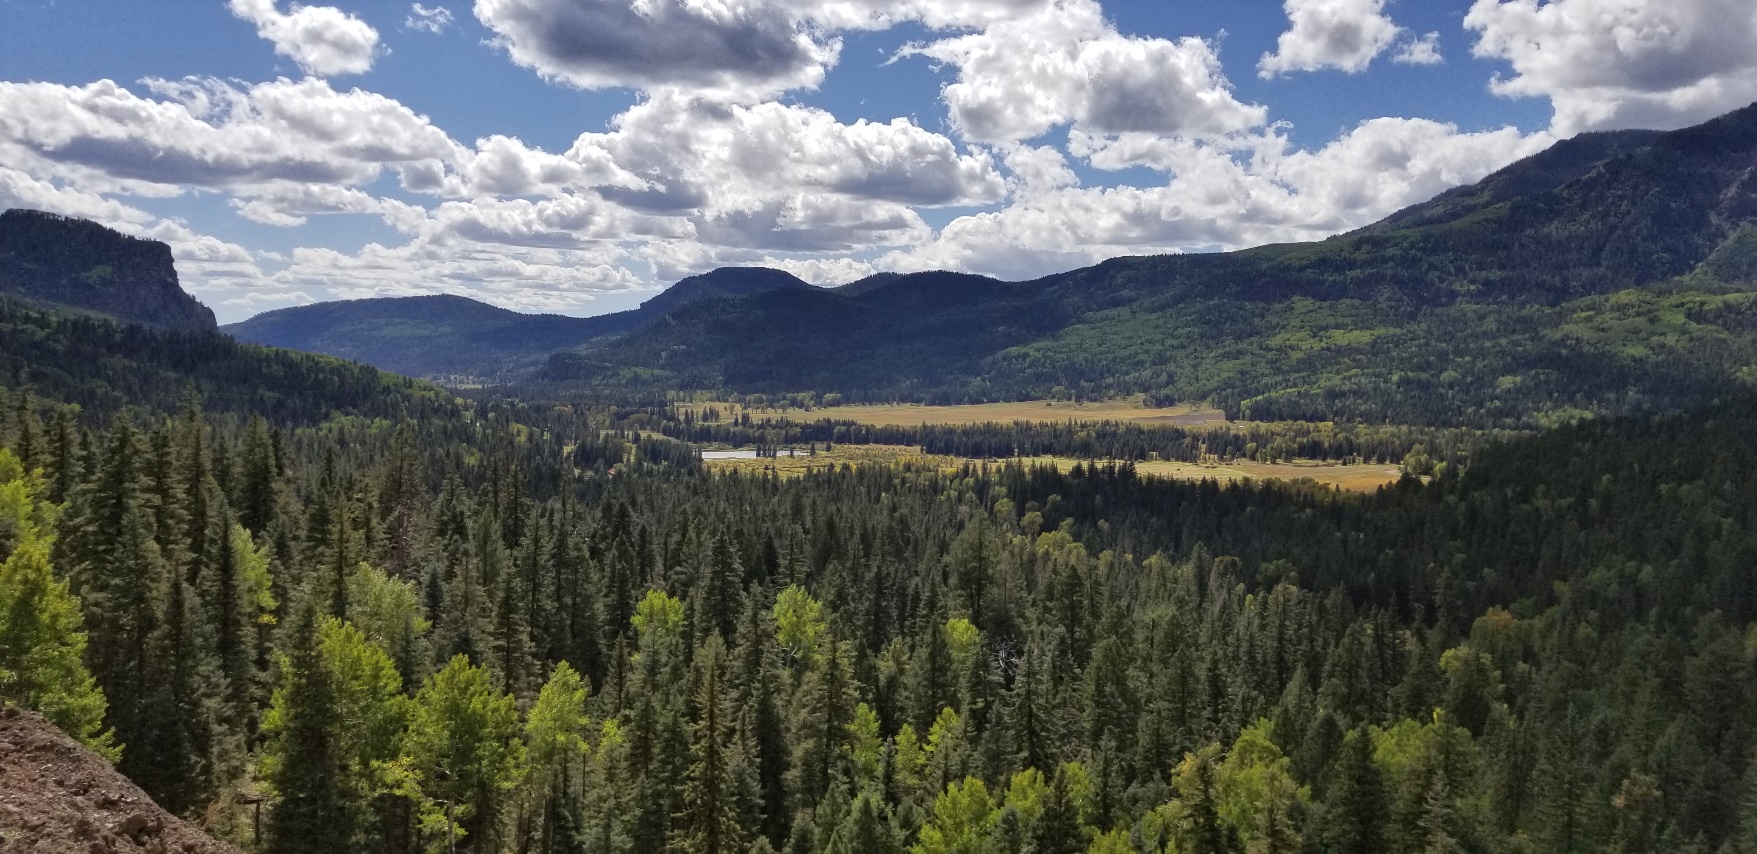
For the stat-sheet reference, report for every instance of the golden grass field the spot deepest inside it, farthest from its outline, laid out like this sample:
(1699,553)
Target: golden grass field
(1346,478)
(913,414)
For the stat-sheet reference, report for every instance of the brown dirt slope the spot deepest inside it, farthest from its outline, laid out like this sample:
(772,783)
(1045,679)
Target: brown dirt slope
(58,796)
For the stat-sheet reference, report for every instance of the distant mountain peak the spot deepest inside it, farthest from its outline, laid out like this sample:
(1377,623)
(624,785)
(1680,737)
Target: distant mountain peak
(724,282)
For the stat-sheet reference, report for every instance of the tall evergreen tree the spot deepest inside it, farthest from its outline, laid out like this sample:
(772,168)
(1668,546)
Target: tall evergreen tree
(106,546)
(1357,807)
(713,821)
(306,764)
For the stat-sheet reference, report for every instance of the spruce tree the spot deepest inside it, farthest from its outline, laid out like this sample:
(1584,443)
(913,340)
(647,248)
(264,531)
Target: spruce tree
(107,549)
(259,476)
(305,765)
(1058,829)
(66,463)
(1357,807)
(759,721)
(1200,831)
(713,821)
(177,760)
(866,830)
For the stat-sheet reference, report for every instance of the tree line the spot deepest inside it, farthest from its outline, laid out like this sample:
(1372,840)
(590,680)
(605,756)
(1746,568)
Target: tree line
(408,633)
(1091,440)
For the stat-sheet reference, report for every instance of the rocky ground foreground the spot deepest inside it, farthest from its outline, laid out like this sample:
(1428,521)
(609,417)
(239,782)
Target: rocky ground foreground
(58,796)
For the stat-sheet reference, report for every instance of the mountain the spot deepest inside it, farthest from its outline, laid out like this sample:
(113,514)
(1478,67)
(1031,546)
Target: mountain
(422,336)
(1611,273)
(78,264)
(721,283)
(105,367)
(452,336)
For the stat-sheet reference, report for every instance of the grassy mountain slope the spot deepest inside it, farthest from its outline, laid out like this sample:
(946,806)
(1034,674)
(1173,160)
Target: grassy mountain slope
(1600,276)
(79,264)
(443,336)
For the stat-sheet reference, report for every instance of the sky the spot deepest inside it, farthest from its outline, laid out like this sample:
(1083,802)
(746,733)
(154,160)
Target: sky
(575,156)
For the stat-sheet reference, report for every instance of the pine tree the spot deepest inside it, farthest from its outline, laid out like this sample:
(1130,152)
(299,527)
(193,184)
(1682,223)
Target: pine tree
(712,820)
(1058,829)
(1357,808)
(304,763)
(112,562)
(866,830)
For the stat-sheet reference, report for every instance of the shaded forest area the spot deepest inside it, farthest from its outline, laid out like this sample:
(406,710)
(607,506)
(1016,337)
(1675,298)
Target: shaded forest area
(569,638)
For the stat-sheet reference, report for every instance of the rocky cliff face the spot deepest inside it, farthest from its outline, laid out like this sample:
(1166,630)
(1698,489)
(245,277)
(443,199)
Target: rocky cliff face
(75,263)
(57,795)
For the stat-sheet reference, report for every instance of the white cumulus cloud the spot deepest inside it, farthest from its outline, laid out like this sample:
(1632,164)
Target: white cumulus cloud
(323,40)
(1623,63)
(1243,192)
(208,133)
(1340,34)
(1064,64)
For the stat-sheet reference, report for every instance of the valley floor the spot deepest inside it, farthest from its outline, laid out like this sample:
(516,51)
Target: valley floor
(1349,478)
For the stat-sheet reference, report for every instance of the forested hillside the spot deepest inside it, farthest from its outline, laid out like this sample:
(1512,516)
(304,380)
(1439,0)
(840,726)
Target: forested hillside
(79,264)
(579,641)
(104,367)
(456,338)
(1610,274)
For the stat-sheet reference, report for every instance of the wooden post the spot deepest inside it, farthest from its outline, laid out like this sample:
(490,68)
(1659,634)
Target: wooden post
(254,800)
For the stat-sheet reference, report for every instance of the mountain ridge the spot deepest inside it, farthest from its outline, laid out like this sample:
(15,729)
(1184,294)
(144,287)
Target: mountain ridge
(1565,284)
(450,335)
(1575,281)
(69,263)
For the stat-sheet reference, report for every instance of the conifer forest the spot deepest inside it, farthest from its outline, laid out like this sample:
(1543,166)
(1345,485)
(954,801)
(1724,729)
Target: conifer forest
(504,627)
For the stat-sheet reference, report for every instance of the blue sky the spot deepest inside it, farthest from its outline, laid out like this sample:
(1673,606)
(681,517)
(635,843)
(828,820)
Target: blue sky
(575,155)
